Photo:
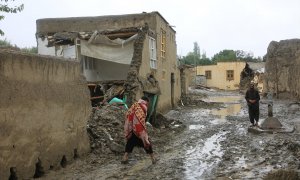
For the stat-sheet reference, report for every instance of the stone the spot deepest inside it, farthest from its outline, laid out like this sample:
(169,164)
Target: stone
(271,123)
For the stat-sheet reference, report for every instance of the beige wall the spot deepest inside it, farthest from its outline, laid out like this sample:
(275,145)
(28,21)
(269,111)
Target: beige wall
(218,73)
(167,65)
(44,109)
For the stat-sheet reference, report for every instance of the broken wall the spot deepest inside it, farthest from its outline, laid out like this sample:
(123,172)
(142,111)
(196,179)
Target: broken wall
(85,24)
(282,70)
(44,109)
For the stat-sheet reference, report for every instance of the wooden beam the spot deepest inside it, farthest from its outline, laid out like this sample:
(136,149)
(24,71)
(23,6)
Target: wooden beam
(120,35)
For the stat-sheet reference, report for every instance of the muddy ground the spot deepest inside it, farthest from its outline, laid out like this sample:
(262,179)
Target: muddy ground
(207,138)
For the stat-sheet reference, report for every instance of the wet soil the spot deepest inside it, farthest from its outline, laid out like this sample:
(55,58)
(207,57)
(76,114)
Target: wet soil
(205,140)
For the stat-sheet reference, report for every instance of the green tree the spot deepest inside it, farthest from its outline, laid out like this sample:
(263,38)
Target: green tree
(31,50)
(225,55)
(196,50)
(7,44)
(237,55)
(6,8)
(191,59)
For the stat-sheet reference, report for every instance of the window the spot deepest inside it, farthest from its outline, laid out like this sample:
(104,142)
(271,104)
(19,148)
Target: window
(208,74)
(152,48)
(229,75)
(163,44)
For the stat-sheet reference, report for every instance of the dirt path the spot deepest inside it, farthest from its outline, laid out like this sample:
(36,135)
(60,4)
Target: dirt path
(214,144)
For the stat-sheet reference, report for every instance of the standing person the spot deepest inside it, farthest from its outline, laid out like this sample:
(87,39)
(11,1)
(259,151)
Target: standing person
(252,97)
(135,129)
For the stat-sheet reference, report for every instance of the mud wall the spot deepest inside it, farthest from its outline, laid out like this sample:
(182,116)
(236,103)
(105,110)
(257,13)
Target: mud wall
(44,107)
(283,69)
(77,24)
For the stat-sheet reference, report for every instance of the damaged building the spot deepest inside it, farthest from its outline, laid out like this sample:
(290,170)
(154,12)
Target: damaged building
(136,50)
(282,69)
(253,72)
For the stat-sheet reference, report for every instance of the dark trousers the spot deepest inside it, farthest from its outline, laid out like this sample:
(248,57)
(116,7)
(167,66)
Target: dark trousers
(135,141)
(253,113)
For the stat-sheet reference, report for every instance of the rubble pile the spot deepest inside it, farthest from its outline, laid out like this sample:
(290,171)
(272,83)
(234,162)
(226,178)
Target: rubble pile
(105,128)
(196,100)
(164,122)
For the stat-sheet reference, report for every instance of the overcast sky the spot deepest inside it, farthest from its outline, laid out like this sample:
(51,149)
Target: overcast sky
(248,25)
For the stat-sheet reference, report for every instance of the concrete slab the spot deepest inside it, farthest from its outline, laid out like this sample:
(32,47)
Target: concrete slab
(283,129)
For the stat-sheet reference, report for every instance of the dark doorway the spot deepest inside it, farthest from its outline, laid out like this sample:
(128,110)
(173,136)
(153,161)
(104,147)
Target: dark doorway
(172,89)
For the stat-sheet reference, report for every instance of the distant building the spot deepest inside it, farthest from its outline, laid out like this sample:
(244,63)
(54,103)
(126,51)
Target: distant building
(223,75)
(139,49)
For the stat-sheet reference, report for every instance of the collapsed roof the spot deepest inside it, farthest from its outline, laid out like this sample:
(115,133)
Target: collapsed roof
(115,37)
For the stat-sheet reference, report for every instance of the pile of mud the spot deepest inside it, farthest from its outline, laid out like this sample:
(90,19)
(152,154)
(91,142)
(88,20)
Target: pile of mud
(196,100)
(106,129)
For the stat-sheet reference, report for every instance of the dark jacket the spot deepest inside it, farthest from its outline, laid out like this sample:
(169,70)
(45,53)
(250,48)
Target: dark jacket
(252,94)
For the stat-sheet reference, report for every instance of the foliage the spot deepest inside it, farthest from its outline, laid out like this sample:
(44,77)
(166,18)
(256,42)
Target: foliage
(225,55)
(7,44)
(31,50)
(193,59)
(196,57)
(5,8)
(196,50)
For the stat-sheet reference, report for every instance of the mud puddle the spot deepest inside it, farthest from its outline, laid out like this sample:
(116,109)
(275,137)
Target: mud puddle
(203,156)
(201,160)
(232,106)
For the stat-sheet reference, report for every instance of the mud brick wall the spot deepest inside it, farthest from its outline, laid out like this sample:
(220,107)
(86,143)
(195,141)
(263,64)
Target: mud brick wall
(283,69)
(132,82)
(44,108)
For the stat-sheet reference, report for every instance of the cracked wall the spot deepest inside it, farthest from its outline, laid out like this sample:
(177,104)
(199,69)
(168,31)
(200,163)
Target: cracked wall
(282,69)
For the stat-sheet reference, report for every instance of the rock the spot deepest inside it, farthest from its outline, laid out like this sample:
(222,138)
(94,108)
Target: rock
(271,123)
(116,148)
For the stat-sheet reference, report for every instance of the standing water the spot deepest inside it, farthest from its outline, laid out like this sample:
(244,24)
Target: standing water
(207,153)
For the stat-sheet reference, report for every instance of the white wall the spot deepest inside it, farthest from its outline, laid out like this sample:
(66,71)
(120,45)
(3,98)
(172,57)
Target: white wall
(65,51)
(43,49)
(100,70)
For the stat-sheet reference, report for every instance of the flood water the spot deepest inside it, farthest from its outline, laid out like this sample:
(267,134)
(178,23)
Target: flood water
(201,158)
